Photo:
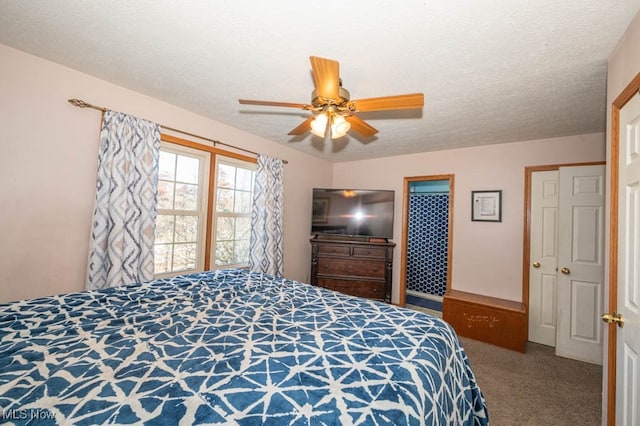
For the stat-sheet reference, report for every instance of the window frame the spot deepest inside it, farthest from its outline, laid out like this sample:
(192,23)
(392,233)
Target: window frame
(209,230)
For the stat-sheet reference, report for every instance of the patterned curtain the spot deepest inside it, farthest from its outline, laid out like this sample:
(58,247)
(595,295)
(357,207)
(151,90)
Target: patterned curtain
(124,218)
(265,251)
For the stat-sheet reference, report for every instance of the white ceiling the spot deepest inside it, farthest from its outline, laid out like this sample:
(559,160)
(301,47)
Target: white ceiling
(492,71)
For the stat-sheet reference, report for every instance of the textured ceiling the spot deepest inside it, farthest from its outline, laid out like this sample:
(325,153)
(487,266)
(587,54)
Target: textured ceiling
(491,71)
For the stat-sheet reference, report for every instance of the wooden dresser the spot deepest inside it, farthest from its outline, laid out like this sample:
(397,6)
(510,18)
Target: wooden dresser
(355,266)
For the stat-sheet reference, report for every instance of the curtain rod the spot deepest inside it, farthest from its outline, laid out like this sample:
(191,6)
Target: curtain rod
(82,104)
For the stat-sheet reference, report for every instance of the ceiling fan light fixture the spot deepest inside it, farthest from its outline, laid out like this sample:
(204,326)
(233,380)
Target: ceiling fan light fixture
(334,113)
(339,126)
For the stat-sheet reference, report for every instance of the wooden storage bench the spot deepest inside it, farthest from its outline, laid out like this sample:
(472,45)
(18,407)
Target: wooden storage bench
(488,319)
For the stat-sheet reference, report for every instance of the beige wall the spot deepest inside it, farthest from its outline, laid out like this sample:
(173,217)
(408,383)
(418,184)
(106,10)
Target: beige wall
(624,65)
(487,256)
(48,168)
(49,161)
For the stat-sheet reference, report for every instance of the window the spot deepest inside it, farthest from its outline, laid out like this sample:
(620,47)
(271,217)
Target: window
(234,194)
(204,219)
(182,208)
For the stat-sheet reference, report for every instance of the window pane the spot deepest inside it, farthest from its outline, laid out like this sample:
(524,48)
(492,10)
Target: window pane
(224,201)
(224,228)
(165,194)
(186,197)
(164,229)
(167,166)
(186,229)
(224,253)
(243,202)
(188,169)
(233,210)
(243,228)
(242,252)
(184,256)
(226,176)
(162,258)
(244,179)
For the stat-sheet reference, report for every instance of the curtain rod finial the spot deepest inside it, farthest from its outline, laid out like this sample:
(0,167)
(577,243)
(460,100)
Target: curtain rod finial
(82,104)
(78,103)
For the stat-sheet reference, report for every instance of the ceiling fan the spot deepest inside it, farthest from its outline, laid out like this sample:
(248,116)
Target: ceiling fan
(333,111)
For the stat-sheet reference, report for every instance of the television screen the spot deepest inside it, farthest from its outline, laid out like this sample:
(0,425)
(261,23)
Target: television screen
(353,212)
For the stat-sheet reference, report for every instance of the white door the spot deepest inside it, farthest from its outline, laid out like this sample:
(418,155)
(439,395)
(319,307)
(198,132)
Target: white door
(628,336)
(544,257)
(581,263)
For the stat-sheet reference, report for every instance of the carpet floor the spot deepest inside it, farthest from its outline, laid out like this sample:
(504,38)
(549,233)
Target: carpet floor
(537,387)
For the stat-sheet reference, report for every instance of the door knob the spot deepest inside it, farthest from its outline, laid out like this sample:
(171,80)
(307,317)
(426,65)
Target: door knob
(565,270)
(536,264)
(614,318)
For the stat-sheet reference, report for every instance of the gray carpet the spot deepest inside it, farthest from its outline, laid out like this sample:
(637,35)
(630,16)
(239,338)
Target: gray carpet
(536,388)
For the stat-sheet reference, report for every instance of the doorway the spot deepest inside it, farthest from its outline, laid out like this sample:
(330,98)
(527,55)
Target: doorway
(427,232)
(565,270)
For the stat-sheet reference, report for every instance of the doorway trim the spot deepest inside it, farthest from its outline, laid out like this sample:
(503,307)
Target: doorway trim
(405,231)
(526,254)
(625,96)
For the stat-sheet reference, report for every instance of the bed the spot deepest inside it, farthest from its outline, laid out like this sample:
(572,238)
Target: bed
(230,347)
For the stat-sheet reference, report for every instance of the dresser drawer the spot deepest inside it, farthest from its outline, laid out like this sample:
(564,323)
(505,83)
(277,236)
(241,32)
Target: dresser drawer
(336,249)
(368,289)
(378,252)
(352,267)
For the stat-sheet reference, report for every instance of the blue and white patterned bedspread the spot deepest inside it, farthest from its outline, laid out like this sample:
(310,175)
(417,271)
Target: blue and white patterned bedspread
(230,347)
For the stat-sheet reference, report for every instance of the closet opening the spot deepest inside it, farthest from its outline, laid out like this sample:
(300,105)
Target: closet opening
(427,231)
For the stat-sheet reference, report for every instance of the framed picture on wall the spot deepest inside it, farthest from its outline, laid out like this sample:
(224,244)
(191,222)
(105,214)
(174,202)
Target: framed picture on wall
(486,206)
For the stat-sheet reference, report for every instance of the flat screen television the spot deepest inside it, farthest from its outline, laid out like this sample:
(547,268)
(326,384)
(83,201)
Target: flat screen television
(353,212)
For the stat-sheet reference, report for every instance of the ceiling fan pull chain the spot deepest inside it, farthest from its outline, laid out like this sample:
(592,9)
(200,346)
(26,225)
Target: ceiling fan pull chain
(327,129)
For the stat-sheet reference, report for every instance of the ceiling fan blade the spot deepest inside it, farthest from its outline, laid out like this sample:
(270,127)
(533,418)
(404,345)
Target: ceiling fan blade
(302,128)
(326,77)
(271,103)
(413,100)
(360,126)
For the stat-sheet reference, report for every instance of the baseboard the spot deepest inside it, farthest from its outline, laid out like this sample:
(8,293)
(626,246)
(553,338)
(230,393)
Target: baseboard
(492,320)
